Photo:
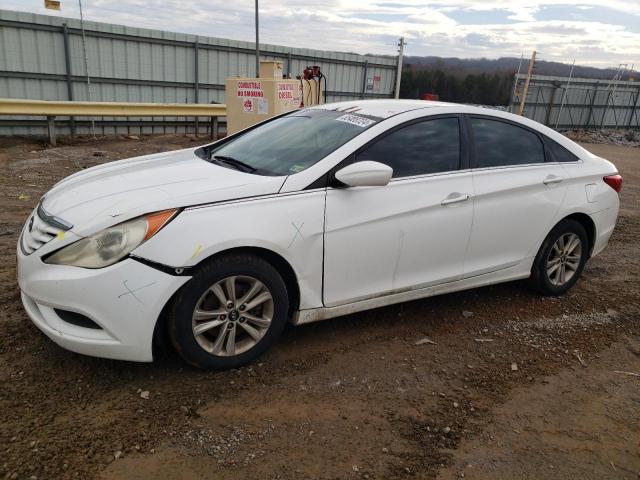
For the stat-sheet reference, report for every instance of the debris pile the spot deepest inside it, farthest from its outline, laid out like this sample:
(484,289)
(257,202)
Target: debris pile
(628,138)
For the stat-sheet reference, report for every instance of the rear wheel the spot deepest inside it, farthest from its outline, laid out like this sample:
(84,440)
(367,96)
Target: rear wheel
(233,309)
(561,258)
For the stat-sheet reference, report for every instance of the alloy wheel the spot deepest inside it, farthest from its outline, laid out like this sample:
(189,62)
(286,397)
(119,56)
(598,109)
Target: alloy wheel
(564,259)
(233,315)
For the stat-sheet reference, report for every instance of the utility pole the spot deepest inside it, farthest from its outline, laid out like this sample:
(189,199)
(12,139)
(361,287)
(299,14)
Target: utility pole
(86,66)
(525,90)
(401,45)
(257,44)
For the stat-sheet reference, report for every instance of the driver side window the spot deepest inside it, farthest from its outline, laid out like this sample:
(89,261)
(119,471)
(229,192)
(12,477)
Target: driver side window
(429,146)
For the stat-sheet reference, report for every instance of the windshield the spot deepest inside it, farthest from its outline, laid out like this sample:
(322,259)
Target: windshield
(291,144)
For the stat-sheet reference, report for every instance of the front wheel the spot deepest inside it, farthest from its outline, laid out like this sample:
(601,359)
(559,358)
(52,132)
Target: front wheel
(229,313)
(561,258)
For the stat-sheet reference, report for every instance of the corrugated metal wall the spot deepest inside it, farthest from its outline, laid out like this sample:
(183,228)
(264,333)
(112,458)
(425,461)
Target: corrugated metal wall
(139,65)
(579,102)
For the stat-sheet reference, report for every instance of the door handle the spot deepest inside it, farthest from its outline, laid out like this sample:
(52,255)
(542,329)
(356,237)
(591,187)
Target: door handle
(455,198)
(551,179)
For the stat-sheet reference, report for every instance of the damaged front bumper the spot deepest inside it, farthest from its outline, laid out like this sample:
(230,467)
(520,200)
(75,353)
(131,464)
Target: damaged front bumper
(118,306)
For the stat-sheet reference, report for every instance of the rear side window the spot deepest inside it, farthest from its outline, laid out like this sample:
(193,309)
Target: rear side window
(431,146)
(559,153)
(500,144)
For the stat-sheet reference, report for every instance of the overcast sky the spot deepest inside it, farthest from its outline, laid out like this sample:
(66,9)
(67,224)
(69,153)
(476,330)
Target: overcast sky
(594,32)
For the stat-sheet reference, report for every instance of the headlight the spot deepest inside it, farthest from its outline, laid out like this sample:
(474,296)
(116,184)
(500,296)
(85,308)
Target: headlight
(111,244)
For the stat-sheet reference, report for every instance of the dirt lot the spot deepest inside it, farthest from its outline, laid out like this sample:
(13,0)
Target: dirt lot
(514,385)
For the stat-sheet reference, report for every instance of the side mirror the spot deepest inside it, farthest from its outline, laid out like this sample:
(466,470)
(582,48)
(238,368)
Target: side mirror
(365,174)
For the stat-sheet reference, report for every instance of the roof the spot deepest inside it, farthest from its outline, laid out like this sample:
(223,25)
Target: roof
(384,108)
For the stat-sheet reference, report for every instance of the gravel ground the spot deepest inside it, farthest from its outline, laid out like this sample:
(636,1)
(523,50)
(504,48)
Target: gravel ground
(508,384)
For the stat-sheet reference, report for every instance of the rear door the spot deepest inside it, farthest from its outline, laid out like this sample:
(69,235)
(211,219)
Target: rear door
(410,233)
(518,193)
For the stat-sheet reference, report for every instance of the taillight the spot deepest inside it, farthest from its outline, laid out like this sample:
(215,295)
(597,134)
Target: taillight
(614,181)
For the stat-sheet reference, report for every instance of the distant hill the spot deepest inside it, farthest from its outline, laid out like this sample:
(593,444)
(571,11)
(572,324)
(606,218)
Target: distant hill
(461,67)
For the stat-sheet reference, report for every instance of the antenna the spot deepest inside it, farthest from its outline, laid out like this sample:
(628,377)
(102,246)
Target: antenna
(564,94)
(611,89)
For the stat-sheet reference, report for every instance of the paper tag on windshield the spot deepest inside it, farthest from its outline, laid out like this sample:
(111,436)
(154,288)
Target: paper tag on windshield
(355,120)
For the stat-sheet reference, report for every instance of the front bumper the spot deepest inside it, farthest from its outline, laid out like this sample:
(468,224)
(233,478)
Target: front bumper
(124,300)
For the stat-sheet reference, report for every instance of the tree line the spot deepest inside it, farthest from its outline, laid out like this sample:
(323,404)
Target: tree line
(482,89)
(476,66)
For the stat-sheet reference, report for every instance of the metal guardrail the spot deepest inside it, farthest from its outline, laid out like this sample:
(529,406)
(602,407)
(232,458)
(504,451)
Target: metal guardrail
(46,108)
(51,109)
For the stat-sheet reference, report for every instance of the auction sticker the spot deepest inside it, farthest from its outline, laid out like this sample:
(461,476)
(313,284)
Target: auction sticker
(356,120)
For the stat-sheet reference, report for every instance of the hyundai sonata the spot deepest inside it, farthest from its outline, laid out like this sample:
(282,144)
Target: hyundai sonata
(313,214)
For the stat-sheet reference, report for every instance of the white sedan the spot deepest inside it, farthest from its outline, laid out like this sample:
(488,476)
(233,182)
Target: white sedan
(314,214)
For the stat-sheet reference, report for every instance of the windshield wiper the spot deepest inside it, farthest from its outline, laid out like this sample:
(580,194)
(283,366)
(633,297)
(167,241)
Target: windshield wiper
(237,164)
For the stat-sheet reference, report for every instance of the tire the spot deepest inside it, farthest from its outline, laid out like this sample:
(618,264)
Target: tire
(203,338)
(546,273)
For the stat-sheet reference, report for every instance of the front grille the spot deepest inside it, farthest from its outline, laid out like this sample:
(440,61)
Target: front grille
(37,233)
(41,228)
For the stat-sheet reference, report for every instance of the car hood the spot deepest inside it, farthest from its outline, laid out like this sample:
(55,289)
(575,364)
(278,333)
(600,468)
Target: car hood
(107,194)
